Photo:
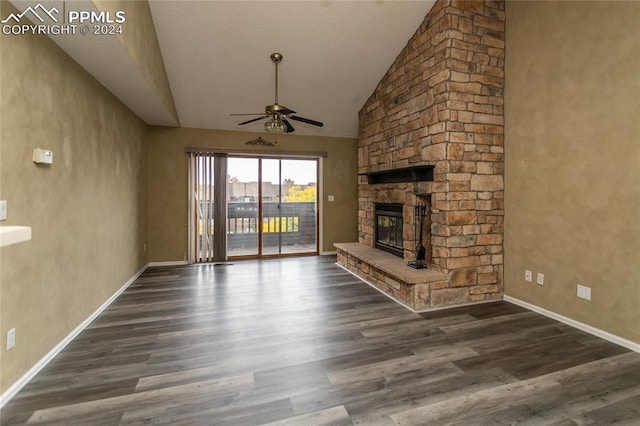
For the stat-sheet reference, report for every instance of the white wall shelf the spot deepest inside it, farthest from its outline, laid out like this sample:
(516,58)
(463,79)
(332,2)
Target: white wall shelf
(14,234)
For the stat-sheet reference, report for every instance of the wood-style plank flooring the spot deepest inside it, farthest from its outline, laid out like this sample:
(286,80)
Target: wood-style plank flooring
(299,341)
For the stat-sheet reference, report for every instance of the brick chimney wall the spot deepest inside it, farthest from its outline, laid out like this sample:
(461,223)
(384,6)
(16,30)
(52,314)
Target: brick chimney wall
(441,104)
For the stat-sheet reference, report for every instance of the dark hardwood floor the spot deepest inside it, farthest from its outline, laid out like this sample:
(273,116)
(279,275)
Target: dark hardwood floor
(300,341)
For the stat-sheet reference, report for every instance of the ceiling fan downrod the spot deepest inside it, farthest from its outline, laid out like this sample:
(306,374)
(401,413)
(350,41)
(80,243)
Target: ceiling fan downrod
(276,58)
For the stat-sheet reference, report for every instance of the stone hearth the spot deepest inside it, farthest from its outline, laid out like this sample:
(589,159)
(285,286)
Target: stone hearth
(390,274)
(440,105)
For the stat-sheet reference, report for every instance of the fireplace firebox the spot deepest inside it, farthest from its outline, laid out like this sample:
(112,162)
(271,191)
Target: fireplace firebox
(388,228)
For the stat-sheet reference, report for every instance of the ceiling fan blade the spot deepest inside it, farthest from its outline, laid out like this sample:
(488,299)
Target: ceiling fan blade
(252,120)
(288,125)
(306,120)
(286,111)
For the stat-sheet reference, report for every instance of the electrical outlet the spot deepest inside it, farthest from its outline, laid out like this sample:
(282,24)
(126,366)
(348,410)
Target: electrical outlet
(540,278)
(528,275)
(584,292)
(11,339)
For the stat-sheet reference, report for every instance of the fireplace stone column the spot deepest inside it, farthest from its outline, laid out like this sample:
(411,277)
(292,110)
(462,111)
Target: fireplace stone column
(441,104)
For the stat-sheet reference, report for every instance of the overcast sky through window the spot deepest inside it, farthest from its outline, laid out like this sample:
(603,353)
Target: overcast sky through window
(301,172)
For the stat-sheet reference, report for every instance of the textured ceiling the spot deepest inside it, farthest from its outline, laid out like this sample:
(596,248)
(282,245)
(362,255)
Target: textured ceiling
(335,52)
(216,55)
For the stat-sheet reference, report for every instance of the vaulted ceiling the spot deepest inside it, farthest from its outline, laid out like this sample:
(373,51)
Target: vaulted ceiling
(216,56)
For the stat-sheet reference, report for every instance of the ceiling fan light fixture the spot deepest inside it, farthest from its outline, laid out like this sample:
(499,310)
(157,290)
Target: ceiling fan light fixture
(275,125)
(278,115)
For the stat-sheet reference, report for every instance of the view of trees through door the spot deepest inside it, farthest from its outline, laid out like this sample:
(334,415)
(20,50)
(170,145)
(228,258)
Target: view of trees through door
(271,206)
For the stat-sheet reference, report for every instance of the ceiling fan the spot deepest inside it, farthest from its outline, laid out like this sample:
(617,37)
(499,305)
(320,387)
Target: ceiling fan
(279,115)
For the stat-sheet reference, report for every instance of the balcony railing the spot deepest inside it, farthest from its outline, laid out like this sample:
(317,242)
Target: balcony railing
(284,224)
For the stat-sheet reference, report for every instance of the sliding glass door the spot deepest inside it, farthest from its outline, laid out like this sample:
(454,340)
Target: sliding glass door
(247,207)
(243,226)
(289,206)
(272,206)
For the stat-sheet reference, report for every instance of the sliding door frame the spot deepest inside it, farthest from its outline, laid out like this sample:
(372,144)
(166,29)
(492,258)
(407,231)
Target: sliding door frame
(261,157)
(220,215)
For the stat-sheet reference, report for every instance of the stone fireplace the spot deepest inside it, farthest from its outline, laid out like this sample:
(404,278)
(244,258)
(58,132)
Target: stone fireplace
(402,198)
(432,133)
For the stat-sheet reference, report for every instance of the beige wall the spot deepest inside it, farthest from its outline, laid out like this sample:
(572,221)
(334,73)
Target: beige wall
(573,159)
(168,183)
(87,210)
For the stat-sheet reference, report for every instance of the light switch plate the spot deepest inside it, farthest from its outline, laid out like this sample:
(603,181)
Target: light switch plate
(540,278)
(3,210)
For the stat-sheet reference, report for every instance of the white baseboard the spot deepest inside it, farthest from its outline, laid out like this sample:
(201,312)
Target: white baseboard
(576,324)
(328,253)
(170,263)
(417,311)
(22,381)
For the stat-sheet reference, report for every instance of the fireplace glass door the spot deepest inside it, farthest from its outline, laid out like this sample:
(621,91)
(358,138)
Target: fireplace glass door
(388,228)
